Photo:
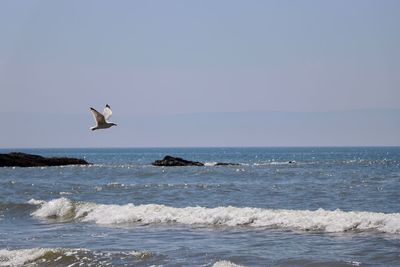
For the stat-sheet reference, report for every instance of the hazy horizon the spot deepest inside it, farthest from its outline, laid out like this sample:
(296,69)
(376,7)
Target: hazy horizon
(224,129)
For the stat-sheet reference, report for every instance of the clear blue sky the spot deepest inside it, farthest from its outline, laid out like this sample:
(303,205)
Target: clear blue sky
(161,58)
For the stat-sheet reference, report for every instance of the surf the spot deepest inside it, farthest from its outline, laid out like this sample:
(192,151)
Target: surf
(319,220)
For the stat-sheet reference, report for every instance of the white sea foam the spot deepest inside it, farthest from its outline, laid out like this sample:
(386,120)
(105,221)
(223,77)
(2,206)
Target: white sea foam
(318,220)
(72,257)
(58,208)
(22,256)
(226,264)
(210,163)
(36,202)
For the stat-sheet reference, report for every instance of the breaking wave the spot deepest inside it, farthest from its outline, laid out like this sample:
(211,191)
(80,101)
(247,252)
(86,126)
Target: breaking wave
(66,257)
(84,257)
(306,220)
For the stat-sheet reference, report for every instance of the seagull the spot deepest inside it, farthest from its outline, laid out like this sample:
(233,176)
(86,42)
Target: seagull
(101,119)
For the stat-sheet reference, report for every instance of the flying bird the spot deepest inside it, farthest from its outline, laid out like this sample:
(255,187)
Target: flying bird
(101,119)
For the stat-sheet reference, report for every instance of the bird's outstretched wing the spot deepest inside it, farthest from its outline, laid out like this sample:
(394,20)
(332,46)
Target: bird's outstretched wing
(107,112)
(98,116)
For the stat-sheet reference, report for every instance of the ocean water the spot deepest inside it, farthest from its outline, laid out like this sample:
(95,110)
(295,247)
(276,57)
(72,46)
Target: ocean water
(331,207)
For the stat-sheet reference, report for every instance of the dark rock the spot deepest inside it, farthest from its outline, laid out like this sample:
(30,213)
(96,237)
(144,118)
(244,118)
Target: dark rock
(28,160)
(169,161)
(226,164)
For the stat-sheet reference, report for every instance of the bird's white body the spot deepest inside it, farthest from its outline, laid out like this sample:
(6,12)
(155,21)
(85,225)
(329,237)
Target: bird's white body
(101,119)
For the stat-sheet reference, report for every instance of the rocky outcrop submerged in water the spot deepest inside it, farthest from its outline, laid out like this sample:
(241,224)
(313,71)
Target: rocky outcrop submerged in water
(17,159)
(174,161)
(169,161)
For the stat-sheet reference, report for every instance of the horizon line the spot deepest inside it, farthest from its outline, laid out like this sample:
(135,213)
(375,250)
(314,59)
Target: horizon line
(206,147)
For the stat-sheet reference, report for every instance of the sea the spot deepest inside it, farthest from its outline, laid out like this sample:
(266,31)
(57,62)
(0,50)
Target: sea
(281,206)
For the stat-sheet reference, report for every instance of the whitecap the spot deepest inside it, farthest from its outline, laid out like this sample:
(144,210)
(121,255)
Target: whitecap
(21,256)
(306,220)
(224,263)
(58,208)
(33,201)
(73,257)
